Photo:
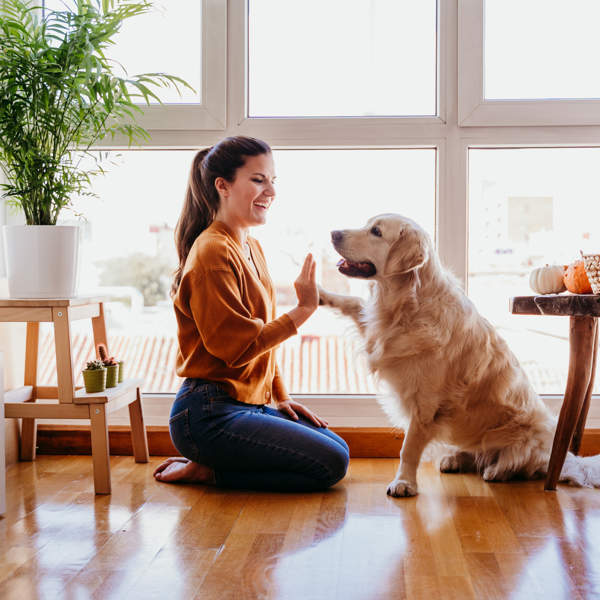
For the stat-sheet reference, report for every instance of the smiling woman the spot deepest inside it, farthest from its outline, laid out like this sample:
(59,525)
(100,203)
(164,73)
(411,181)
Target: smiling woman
(228,331)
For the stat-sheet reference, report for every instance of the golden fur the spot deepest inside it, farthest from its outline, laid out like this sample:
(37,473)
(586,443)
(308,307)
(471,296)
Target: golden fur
(453,377)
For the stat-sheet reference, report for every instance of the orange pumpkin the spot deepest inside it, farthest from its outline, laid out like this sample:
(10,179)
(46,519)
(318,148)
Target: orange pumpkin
(576,280)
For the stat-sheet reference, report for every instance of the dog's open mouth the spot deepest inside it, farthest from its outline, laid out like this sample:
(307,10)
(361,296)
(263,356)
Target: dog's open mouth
(356,269)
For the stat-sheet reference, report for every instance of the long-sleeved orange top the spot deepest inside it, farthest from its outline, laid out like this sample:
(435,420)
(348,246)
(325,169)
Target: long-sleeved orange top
(226,322)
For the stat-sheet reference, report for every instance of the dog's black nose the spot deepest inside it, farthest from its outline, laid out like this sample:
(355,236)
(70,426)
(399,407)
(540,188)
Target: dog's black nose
(336,236)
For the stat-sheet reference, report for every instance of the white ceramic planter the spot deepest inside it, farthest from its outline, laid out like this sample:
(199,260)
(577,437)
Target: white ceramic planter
(41,260)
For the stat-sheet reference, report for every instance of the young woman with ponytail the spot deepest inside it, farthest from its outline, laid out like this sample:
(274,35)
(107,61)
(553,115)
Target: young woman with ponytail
(224,301)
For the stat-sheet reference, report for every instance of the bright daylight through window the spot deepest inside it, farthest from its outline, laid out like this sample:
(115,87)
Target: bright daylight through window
(552,50)
(337,64)
(342,58)
(129,252)
(525,208)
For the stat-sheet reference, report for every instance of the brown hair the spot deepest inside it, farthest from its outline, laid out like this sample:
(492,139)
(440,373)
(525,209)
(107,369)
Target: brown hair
(201,198)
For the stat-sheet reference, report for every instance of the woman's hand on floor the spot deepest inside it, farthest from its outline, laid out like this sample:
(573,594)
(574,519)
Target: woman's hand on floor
(293,409)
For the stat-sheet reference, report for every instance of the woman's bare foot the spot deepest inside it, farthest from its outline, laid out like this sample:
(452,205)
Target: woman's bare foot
(182,470)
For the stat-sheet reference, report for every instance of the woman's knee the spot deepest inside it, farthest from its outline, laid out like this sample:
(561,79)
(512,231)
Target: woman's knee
(336,461)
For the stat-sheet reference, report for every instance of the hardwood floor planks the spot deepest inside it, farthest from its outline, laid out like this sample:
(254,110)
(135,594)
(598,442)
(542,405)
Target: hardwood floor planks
(460,538)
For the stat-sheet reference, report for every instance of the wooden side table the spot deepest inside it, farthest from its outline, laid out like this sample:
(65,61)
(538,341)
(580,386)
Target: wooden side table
(65,401)
(583,311)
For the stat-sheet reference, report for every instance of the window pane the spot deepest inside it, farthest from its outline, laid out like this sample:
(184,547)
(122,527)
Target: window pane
(152,43)
(541,49)
(128,252)
(315,195)
(529,207)
(342,58)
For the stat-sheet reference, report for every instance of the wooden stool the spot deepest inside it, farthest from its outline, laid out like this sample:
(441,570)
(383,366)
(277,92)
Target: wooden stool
(582,310)
(65,401)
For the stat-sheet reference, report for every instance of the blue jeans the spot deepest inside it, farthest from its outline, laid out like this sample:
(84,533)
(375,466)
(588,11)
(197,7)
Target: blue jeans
(253,447)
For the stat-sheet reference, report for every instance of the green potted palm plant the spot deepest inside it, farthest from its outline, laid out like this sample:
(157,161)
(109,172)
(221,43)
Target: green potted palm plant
(59,96)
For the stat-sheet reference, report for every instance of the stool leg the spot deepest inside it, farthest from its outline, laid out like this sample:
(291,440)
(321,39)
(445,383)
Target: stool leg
(99,330)
(579,429)
(64,358)
(581,346)
(100,450)
(28,426)
(139,440)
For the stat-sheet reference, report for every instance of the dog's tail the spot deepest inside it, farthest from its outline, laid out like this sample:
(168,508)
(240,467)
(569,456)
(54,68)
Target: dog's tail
(511,454)
(582,471)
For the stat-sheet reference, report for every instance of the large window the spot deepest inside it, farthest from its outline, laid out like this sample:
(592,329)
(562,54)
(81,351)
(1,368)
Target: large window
(478,118)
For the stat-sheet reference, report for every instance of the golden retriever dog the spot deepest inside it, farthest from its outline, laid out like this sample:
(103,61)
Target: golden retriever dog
(453,377)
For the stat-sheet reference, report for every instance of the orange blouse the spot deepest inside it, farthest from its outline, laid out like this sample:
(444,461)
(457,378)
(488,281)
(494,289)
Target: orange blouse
(226,323)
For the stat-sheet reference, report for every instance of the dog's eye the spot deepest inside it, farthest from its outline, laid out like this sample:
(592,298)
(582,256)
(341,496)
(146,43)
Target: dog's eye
(376,231)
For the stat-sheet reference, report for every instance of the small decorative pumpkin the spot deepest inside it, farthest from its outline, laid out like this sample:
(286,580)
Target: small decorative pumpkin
(547,280)
(576,279)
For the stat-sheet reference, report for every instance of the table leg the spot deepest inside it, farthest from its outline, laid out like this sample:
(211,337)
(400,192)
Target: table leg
(579,429)
(581,347)
(28,426)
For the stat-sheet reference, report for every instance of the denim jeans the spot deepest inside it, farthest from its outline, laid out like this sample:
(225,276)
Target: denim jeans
(253,447)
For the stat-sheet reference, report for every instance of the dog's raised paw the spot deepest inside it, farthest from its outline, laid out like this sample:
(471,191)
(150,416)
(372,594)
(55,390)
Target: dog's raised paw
(399,488)
(324,298)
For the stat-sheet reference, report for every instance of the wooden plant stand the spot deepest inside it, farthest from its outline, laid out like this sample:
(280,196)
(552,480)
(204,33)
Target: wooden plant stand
(65,401)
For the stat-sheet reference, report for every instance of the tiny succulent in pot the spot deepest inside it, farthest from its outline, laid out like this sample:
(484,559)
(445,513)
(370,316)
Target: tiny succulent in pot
(94,365)
(94,377)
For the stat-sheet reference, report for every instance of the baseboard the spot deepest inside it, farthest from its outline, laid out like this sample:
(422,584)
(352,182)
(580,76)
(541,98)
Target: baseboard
(364,442)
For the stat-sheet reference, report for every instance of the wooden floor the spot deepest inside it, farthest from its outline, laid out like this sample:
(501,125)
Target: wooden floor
(460,538)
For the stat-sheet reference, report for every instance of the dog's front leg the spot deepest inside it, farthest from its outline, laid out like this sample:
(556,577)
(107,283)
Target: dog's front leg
(405,482)
(351,306)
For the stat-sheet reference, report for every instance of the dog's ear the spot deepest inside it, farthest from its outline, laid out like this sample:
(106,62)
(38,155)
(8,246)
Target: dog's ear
(406,254)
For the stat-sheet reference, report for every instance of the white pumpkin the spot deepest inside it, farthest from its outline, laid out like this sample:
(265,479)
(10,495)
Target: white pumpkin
(547,280)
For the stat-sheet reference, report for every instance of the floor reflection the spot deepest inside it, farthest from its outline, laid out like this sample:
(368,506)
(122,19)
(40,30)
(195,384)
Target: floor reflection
(460,538)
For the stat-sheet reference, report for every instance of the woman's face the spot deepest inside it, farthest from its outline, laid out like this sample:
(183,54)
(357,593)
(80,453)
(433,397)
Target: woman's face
(246,201)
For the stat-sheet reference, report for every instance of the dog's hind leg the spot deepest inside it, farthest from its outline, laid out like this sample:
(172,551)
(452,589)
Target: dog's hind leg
(351,306)
(459,462)
(415,440)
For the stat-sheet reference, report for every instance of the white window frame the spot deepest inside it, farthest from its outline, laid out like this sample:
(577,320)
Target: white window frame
(476,110)
(458,127)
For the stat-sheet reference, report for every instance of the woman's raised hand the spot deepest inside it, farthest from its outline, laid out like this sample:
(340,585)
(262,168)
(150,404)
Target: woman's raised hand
(306,284)
(306,292)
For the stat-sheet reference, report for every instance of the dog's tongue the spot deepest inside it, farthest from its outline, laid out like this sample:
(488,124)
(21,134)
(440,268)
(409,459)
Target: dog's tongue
(355,269)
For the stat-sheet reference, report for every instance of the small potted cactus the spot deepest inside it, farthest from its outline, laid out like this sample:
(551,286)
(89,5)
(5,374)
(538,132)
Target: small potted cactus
(121,371)
(112,366)
(94,376)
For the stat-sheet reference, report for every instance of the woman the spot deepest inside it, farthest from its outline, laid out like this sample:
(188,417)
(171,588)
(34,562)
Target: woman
(227,331)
